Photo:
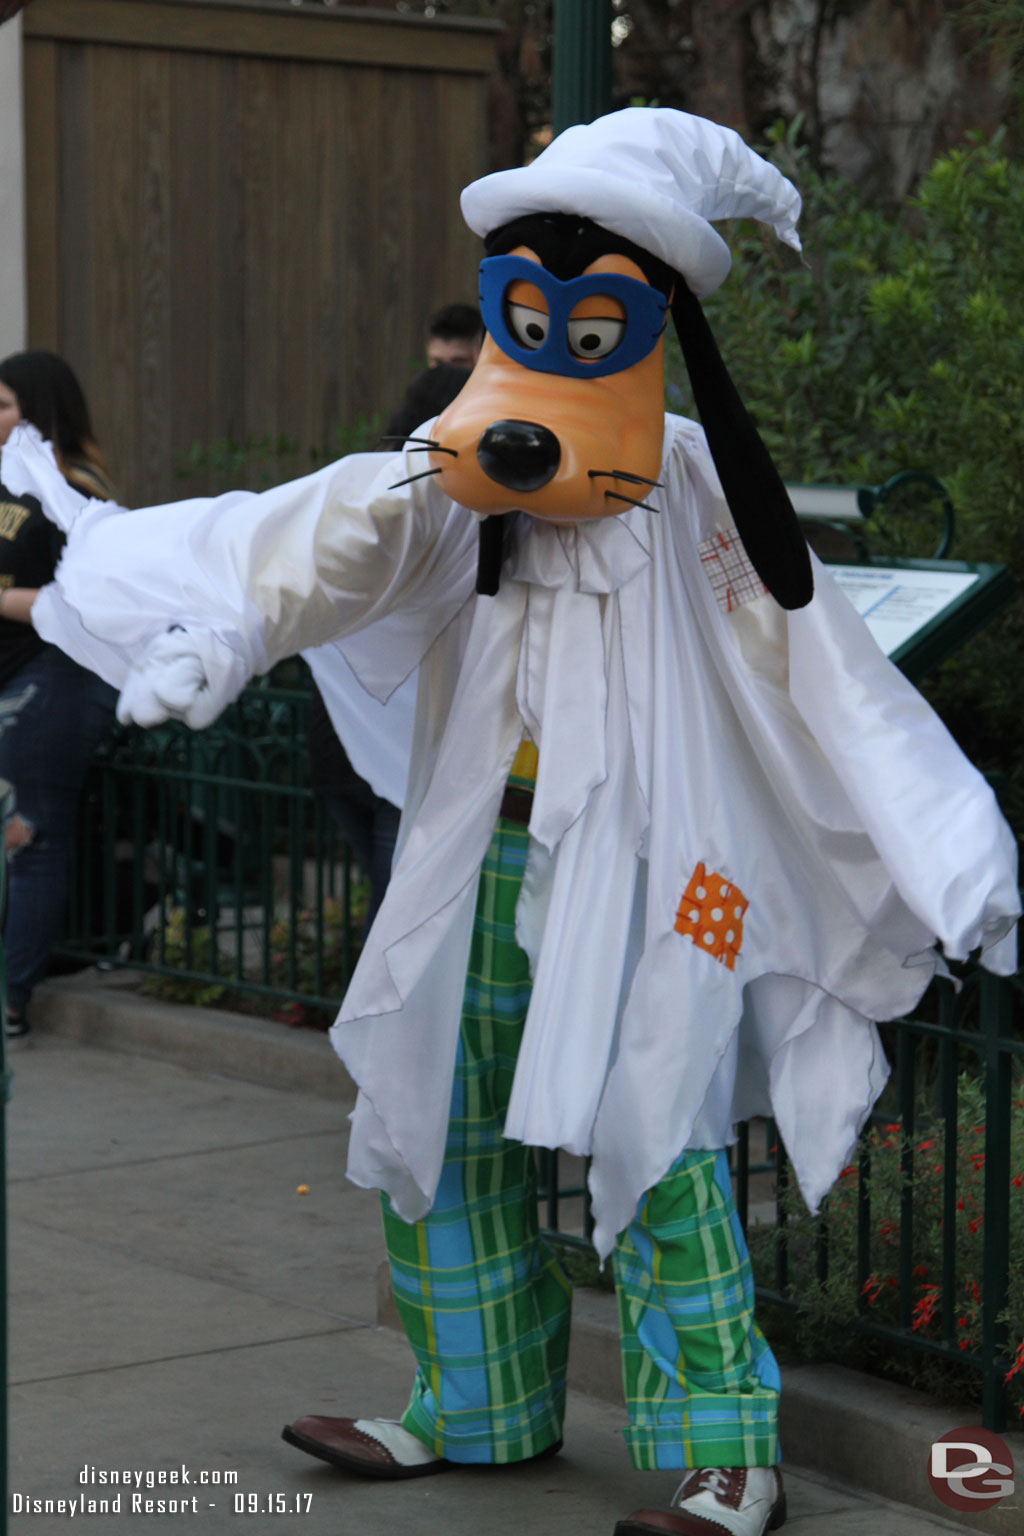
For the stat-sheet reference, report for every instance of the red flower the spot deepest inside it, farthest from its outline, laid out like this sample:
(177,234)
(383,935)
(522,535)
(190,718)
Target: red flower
(925,1146)
(925,1308)
(972,1226)
(1017,1180)
(1018,1363)
(895,1126)
(293,1014)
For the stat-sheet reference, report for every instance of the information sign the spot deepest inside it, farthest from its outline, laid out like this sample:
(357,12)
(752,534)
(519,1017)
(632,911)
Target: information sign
(897,604)
(921,611)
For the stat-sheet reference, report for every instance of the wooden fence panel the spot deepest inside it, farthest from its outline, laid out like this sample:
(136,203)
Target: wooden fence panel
(235,233)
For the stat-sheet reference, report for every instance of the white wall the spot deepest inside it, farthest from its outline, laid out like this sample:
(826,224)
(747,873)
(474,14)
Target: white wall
(12,192)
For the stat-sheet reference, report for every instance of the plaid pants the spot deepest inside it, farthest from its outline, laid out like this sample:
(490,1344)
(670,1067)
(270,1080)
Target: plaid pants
(486,1306)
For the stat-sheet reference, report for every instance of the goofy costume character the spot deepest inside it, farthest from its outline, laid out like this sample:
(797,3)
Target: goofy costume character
(675,831)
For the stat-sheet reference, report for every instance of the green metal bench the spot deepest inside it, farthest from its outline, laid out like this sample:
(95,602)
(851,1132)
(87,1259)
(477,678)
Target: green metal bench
(847,509)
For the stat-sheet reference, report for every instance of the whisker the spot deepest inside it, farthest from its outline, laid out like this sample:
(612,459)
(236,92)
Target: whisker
(422,476)
(616,497)
(426,441)
(624,474)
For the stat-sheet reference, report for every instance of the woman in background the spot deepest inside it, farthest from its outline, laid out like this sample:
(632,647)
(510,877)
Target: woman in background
(52,711)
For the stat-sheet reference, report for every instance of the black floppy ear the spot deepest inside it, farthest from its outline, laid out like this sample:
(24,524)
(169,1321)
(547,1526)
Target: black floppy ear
(758,500)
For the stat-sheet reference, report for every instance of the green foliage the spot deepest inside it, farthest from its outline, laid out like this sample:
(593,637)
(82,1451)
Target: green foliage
(821,1330)
(312,957)
(259,462)
(185,949)
(898,343)
(581,1266)
(999,25)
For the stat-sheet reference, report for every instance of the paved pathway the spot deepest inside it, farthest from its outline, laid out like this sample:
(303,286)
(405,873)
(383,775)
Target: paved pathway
(174,1302)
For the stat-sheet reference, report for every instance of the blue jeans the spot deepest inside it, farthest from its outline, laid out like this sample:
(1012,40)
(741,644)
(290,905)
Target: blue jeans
(53,714)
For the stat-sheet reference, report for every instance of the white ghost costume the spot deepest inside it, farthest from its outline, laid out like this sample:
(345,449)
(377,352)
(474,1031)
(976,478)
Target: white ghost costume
(683,720)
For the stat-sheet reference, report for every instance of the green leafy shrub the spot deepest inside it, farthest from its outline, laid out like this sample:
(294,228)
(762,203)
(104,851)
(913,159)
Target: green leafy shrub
(294,964)
(897,342)
(822,1328)
(296,951)
(181,952)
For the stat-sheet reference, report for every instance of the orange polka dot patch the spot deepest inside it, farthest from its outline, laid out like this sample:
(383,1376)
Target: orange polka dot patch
(711,915)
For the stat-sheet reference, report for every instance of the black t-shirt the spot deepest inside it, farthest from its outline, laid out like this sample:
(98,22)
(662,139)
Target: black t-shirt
(30,547)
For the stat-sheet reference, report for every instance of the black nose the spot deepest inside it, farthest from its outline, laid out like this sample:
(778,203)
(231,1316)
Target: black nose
(520,454)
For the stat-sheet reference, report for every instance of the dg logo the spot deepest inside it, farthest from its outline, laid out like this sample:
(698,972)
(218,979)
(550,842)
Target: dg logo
(970,1469)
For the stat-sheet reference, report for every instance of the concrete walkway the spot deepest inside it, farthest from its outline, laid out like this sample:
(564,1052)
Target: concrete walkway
(174,1301)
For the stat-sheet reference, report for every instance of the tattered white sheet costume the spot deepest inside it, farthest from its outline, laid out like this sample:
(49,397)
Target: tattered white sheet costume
(780,749)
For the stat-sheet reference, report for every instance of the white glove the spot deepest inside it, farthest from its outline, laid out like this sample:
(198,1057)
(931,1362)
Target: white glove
(182,676)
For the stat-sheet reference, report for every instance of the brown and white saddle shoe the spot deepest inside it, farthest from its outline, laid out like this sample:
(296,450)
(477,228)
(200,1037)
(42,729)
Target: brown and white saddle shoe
(380,1448)
(369,1447)
(716,1501)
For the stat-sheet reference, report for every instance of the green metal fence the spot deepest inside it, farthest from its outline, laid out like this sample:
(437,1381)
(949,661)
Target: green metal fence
(956,1182)
(203,860)
(924,1186)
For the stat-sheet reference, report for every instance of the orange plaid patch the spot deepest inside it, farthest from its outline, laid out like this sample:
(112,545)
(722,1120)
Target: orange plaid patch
(711,915)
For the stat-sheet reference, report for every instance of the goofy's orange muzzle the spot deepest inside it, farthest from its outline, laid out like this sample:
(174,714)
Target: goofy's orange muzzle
(563,415)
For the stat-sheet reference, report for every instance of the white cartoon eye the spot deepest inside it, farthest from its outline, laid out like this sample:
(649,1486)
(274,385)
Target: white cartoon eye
(528,326)
(595,337)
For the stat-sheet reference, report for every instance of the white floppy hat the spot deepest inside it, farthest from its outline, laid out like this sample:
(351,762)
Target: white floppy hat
(652,175)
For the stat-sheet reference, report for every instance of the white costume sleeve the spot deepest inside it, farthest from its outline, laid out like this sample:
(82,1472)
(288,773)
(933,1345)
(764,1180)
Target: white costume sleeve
(255,578)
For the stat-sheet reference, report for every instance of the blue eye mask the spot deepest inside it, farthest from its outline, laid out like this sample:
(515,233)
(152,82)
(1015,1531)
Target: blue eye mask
(555,343)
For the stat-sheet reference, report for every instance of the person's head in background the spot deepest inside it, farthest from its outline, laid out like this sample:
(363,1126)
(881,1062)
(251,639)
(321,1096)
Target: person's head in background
(40,387)
(455,335)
